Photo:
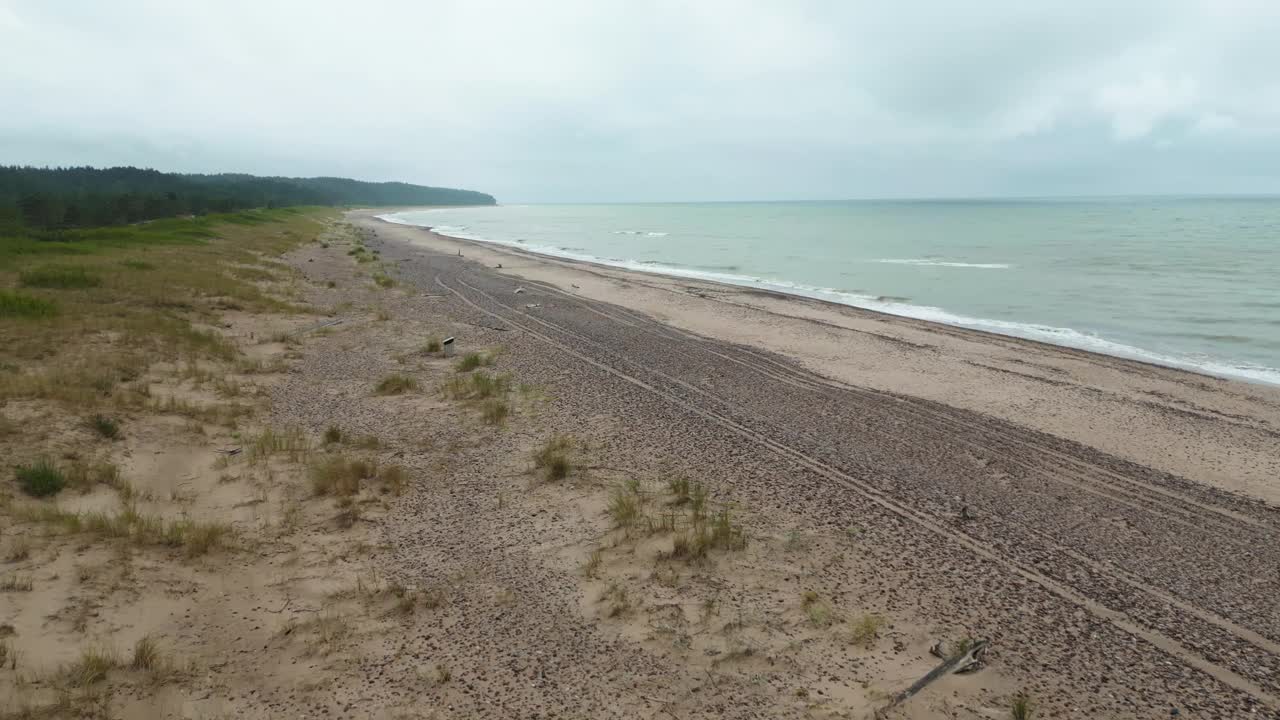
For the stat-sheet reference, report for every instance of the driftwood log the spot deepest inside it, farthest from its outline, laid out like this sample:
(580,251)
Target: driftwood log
(968,660)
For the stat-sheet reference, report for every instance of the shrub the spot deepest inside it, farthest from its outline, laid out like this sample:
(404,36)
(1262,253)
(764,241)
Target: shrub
(41,479)
(59,277)
(383,281)
(18,305)
(333,434)
(434,345)
(396,384)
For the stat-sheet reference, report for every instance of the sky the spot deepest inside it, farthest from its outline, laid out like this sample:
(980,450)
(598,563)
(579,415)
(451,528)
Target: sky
(615,101)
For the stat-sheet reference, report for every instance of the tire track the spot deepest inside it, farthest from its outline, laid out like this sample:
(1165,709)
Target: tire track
(1140,498)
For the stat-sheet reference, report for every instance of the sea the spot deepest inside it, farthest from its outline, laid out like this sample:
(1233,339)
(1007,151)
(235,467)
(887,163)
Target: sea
(1192,283)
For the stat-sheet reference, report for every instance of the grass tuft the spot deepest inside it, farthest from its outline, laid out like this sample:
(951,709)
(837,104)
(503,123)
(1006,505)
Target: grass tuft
(291,443)
(474,360)
(477,386)
(495,411)
(16,583)
(553,458)
(146,654)
(333,434)
(340,477)
(19,305)
(394,478)
(105,426)
(59,277)
(864,630)
(1022,708)
(624,508)
(41,479)
(92,667)
(592,567)
(433,346)
(396,384)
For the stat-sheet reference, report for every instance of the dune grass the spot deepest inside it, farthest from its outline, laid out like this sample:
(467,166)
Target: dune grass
(395,384)
(1021,708)
(864,630)
(19,305)
(477,386)
(60,277)
(41,478)
(128,525)
(105,426)
(552,459)
(473,360)
(126,312)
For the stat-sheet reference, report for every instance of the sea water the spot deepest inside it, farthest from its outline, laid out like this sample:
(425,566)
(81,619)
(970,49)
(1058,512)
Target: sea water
(1186,282)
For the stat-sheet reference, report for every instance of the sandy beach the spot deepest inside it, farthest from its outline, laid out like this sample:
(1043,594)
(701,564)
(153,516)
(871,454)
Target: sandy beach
(619,496)
(1105,522)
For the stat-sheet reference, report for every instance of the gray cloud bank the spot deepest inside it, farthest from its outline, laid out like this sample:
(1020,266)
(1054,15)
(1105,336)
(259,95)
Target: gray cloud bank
(600,100)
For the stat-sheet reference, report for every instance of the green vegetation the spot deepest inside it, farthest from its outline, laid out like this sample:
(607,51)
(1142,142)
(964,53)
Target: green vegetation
(41,479)
(340,477)
(195,538)
(474,360)
(494,411)
(105,426)
(383,281)
(864,630)
(396,384)
(17,305)
(48,198)
(552,459)
(87,347)
(146,654)
(624,508)
(1021,708)
(59,277)
(333,434)
(477,386)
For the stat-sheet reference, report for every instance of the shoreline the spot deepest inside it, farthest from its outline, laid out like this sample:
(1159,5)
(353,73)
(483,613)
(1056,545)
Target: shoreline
(1226,369)
(1219,431)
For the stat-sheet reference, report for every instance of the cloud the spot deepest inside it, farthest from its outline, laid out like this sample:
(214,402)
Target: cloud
(614,100)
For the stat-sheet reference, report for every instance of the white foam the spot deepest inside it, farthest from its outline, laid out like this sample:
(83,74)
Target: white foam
(943,263)
(1031,331)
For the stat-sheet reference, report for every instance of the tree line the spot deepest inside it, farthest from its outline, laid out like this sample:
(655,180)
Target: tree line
(52,198)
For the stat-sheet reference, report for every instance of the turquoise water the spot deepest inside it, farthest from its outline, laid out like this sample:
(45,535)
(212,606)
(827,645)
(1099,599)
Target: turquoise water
(1191,283)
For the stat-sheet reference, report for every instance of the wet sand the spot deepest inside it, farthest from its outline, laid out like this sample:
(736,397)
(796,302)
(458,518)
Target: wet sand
(1111,526)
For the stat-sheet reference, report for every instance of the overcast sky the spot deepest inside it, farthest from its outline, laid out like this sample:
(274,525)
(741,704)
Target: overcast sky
(597,100)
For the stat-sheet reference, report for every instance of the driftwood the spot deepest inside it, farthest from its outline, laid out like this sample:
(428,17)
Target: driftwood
(968,660)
